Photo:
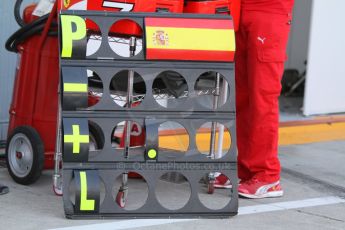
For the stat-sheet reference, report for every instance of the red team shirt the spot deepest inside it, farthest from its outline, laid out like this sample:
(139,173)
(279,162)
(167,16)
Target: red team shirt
(269,6)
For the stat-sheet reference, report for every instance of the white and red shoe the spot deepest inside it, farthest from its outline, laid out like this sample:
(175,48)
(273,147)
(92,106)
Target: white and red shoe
(222,181)
(256,189)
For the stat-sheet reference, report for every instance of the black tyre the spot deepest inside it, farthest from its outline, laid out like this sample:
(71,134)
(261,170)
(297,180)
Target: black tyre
(96,137)
(25,155)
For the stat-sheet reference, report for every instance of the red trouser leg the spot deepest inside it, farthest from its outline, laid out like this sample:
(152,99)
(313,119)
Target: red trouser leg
(242,102)
(261,44)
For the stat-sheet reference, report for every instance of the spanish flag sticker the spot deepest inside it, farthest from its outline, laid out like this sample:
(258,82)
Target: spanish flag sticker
(190,39)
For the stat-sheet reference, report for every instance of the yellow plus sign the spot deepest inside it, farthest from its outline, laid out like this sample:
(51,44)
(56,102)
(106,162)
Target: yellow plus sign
(76,138)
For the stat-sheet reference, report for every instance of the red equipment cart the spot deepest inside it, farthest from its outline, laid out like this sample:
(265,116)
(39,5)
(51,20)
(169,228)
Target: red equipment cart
(31,142)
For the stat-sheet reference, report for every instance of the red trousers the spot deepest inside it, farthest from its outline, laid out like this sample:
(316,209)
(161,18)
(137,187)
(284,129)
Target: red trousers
(261,52)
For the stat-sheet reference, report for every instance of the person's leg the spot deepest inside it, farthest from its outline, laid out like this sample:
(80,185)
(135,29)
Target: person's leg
(242,101)
(267,40)
(242,109)
(3,189)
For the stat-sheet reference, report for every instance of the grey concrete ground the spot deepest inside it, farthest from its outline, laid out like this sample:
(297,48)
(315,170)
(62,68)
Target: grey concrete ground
(309,171)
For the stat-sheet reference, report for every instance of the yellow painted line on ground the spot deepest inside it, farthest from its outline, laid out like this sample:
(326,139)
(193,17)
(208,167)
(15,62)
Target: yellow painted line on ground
(288,135)
(311,133)
(175,142)
(180,142)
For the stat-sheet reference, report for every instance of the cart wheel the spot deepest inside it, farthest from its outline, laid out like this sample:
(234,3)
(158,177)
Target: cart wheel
(121,199)
(210,187)
(57,191)
(25,155)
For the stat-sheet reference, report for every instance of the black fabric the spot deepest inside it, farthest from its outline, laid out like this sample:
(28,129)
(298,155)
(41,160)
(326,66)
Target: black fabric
(68,155)
(74,100)
(93,192)
(151,127)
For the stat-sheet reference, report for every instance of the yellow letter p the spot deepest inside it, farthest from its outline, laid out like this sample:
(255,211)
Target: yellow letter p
(68,35)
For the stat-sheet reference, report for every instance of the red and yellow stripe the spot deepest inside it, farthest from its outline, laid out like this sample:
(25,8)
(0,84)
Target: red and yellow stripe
(190,39)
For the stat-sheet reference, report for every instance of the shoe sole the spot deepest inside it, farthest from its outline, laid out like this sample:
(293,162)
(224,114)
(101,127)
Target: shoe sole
(265,195)
(223,186)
